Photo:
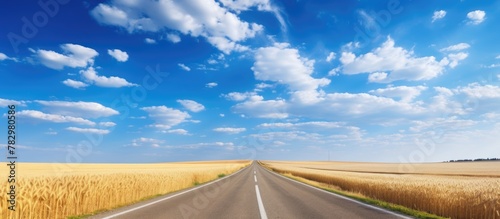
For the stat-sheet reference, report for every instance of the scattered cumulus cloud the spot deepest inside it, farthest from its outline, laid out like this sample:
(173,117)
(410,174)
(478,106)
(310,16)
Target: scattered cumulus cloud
(177,131)
(478,91)
(73,56)
(194,18)
(289,125)
(165,117)
(284,65)
(389,63)
(91,76)
(211,85)
(256,106)
(403,93)
(55,118)
(107,124)
(119,55)
(78,109)
(7,102)
(237,96)
(142,141)
(174,38)
(150,41)
(88,130)
(455,58)
(191,105)
(5,57)
(476,17)
(184,67)
(456,47)
(331,57)
(74,84)
(243,5)
(438,15)
(230,130)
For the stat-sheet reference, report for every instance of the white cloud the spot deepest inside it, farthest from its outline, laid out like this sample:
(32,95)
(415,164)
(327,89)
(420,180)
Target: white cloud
(377,76)
(261,86)
(256,106)
(456,57)
(184,67)
(225,45)
(5,57)
(438,15)
(142,141)
(165,117)
(211,85)
(451,122)
(243,5)
(119,55)
(7,102)
(237,96)
(78,109)
(330,57)
(88,130)
(334,71)
(284,65)
(456,47)
(367,20)
(388,63)
(318,124)
(498,57)
(74,84)
(150,41)
(261,5)
(107,124)
(405,93)
(91,76)
(191,105)
(222,115)
(355,105)
(205,18)
(73,56)
(174,38)
(478,91)
(53,117)
(177,131)
(229,130)
(476,17)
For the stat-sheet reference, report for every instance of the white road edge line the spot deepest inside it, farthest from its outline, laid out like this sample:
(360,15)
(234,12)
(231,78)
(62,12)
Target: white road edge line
(343,197)
(255,178)
(262,211)
(163,199)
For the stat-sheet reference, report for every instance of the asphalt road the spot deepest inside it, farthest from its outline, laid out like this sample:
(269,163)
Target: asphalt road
(253,192)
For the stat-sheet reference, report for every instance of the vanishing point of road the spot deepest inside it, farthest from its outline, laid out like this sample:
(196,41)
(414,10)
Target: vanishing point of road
(253,192)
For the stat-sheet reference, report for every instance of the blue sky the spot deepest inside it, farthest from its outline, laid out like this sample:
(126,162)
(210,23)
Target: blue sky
(156,81)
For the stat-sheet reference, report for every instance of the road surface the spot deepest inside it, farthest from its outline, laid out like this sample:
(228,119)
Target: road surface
(253,192)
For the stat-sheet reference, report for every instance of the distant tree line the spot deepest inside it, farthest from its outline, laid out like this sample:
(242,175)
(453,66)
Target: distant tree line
(472,160)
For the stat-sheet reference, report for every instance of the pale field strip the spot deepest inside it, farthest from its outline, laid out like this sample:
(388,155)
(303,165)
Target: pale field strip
(436,188)
(76,189)
(479,168)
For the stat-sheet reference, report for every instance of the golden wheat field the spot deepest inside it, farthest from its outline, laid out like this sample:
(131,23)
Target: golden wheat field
(48,190)
(455,190)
